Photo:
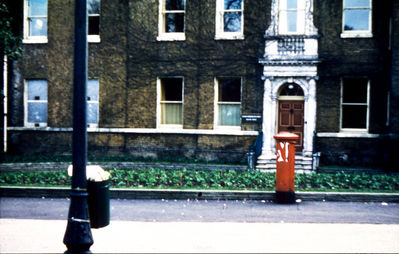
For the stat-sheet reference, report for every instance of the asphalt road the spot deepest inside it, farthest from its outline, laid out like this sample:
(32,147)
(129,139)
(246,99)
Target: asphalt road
(212,211)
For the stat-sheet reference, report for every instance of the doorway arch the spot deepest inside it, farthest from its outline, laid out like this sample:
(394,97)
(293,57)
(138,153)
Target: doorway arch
(290,111)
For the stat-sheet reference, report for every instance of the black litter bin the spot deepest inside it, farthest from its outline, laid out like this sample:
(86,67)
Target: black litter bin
(98,202)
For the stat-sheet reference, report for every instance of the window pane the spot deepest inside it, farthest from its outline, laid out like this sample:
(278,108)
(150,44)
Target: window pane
(93,6)
(291,21)
(357,3)
(92,90)
(229,90)
(171,113)
(232,21)
(355,91)
(37,112)
(38,26)
(94,25)
(174,5)
(171,89)
(354,116)
(292,4)
(356,20)
(37,8)
(92,113)
(232,4)
(291,90)
(229,115)
(37,90)
(174,22)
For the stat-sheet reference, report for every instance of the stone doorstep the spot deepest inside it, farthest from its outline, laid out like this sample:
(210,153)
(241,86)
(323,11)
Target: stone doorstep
(115,193)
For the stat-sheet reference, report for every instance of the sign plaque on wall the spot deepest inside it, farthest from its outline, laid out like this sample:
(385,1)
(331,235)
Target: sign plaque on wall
(251,118)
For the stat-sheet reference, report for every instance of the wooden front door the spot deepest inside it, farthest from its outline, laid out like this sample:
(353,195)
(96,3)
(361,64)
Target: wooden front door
(290,118)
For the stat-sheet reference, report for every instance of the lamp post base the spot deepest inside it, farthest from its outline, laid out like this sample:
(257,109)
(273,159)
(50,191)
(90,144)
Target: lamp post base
(78,237)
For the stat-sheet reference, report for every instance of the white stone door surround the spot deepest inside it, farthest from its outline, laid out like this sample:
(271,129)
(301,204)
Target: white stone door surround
(272,87)
(289,58)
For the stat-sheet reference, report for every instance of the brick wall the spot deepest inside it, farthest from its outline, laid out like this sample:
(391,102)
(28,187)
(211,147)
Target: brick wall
(127,63)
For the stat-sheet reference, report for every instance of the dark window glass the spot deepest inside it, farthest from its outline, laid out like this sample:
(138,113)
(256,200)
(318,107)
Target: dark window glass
(354,103)
(171,89)
(94,25)
(354,116)
(355,91)
(174,5)
(291,90)
(93,7)
(174,22)
(230,90)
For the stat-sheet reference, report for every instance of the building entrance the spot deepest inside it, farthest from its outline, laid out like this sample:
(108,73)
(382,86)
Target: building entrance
(291,112)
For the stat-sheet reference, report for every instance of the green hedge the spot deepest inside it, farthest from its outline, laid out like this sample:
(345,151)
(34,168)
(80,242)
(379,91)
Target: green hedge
(215,179)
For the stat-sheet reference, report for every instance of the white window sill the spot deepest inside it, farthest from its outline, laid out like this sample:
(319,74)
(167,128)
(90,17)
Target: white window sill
(355,35)
(93,39)
(347,134)
(171,37)
(222,132)
(92,126)
(229,36)
(170,127)
(36,125)
(227,128)
(35,40)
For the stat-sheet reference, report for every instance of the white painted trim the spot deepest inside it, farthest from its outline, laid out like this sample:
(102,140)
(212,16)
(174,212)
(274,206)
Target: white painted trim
(35,40)
(346,135)
(159,116)
(357,33)
(27,39)
(216,132)
(93,38)
(354,35)
(300,22)
(217,103)
(26,123)
(220,34)
(164,36)
(363,104)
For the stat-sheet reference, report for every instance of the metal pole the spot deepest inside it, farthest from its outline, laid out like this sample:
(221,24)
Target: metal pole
(5,103)
(78,237)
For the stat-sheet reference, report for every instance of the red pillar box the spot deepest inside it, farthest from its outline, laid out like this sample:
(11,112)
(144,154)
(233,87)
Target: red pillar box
(285,162)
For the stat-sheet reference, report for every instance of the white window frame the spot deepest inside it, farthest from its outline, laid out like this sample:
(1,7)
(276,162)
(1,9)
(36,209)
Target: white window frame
(355,130)
(94,125)
(159,102)
(27,101)
(171,36)
(217,103)
(28,39)
(282,16)
(95,38)
(358,33)
(220,34)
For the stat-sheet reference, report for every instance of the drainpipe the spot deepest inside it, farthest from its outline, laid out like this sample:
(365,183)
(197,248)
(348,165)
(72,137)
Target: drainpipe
(5,103)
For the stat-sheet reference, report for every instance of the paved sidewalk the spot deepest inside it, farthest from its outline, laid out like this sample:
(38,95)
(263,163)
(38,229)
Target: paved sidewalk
(45,236)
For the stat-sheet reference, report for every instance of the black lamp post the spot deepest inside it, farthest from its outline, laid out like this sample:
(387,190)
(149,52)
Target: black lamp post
(78,237)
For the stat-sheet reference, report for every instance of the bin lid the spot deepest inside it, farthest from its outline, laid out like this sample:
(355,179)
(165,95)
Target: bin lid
(93,173)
